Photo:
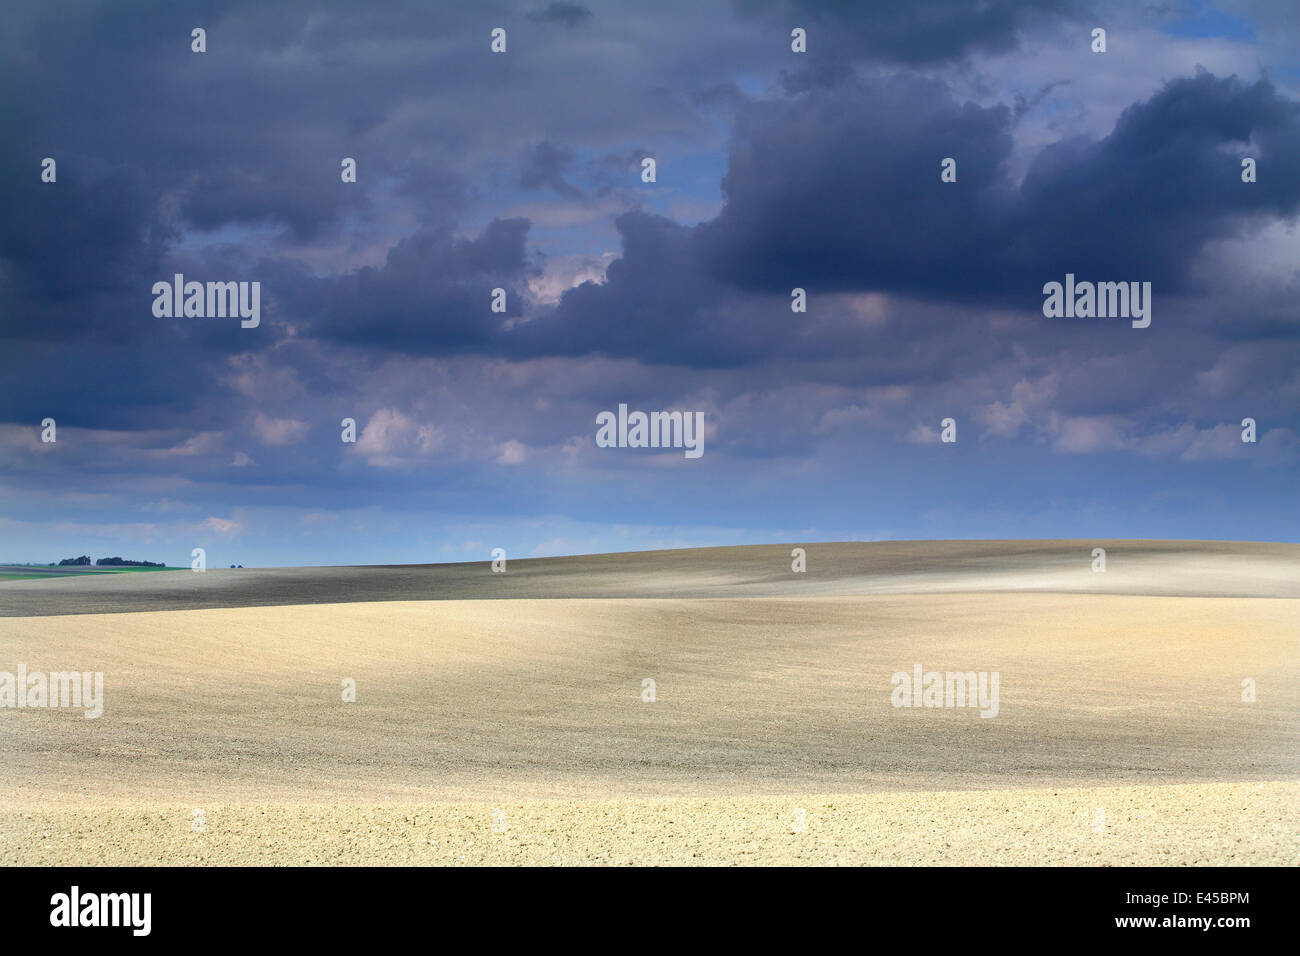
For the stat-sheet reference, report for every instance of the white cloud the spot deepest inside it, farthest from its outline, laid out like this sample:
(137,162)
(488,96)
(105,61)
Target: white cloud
(512,453)
(279,431)
(566,272)
(1005,419)
(923,435)
(1088,433)
(390,438)
(201,444)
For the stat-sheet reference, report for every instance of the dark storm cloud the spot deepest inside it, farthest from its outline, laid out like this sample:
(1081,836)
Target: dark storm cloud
(78,259)
(922,31)
(838,191)
(545,165)
(568,14)
(655,303)
(119,86)
(157,144)
(1166,181)
(833,188)
(841,189)
(71,252)
(433,293)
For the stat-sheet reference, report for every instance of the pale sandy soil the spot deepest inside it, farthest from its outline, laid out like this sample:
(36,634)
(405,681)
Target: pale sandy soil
(1214,824)
(490,700)
(763,705)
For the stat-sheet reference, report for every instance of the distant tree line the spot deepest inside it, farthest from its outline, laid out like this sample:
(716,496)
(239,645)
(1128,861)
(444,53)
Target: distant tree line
(110,563)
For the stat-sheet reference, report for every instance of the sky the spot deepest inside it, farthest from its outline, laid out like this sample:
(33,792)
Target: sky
(523,171)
